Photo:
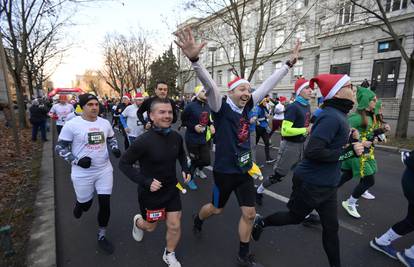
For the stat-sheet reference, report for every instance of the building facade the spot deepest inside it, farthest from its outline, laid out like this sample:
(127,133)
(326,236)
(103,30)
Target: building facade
(337,36)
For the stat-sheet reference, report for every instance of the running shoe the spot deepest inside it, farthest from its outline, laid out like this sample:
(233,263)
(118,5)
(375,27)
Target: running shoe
(248,261)
(407,261)
(351,209)
(201,174)
(170,259)
(192,185)
(387,250)
(137,233)
(258,226)
(105,245)
(368,195)
(197,225)
(311,220)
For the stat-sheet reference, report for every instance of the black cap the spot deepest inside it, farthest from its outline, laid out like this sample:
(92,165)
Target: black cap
(85,98)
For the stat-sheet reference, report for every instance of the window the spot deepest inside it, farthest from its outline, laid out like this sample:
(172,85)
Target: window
(346,13)
(280,7)
(278,65)
(220,55)
(232,51)
(386,46)
(247,47)
(260,73)
(246,72)
(298,68)
(219,77)
(340,68)
(392,5)
(279,38)
(299,4)
(230,75)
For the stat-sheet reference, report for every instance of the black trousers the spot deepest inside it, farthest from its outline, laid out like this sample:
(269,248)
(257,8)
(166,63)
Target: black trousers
(365,183)
(407,224)
(262,133)
(199,155)
(104,209)
(305,198)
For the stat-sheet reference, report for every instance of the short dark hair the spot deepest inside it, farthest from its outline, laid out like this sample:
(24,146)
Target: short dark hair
(157,101)
(160,82)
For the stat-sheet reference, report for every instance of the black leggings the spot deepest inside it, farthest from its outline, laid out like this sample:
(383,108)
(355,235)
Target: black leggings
(407,225)
(303,200)
(199,155)
(261,132)
(365,183)
(104,209)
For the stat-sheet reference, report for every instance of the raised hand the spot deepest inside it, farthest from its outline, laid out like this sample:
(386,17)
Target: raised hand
(187,43)
(295,52)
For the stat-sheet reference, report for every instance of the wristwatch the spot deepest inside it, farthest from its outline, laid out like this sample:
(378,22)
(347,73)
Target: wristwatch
(290,63)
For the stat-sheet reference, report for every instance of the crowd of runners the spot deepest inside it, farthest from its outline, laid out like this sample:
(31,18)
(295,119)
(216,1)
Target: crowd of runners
(323,149)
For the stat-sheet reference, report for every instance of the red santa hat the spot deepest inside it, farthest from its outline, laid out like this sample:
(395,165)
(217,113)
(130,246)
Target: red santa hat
(236,82)
(138,96)
(301,84)
(127,96)
(329,84)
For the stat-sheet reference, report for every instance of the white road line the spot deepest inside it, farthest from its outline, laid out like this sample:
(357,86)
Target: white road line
(284,199)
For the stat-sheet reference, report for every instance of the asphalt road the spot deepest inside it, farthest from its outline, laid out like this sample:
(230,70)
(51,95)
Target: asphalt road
(289,246)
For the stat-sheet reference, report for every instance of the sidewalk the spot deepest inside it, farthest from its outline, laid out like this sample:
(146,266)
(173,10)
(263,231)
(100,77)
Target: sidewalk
(42,243)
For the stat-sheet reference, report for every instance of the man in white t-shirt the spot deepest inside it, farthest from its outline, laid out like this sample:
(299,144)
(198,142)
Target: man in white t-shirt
(129,119)
(83,143)
(278,115)
(60,111)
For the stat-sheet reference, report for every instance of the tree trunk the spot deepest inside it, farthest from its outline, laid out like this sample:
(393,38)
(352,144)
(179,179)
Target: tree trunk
(405,105)
(20,101)
(30,82)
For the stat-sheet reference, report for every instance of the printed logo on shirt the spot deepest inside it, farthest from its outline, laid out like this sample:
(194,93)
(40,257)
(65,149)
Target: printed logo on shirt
(96,138)
(307,119)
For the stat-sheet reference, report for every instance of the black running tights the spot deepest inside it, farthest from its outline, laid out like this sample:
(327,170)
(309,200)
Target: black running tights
(104,209)
(365,183)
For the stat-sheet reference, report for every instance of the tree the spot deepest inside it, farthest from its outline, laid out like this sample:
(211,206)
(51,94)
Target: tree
(126,61)
(164,68)
(240,35)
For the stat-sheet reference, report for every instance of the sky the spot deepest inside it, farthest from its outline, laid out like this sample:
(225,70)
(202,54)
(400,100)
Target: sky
(93,22)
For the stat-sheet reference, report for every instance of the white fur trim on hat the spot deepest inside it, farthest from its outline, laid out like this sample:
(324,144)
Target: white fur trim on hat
(338,86)
(302,87)
(237,83)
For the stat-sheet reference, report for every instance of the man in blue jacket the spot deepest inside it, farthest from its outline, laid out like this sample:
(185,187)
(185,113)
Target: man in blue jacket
(196,118)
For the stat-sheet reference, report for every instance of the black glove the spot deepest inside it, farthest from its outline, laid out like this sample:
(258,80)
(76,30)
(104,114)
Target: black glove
(84,162)
(116,152)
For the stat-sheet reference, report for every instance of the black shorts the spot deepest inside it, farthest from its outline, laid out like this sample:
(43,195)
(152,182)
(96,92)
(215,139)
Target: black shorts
(199,154)
(241,184)
(169,200)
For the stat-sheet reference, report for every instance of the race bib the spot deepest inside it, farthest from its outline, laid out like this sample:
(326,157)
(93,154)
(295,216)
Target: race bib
(96,138)
(155,215)
(244,159)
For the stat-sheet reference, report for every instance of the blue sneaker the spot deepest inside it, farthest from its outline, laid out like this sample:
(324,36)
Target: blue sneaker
(407,261)
(192,185)
(387,250)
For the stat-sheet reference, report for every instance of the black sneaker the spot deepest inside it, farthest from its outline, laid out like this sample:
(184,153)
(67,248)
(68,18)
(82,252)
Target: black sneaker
(311,220)
(248,261)
(197,225)
(259,199)
(105,245)
(77,211)
(258,226)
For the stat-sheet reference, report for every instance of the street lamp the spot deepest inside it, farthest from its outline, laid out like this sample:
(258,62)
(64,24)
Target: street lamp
(212,49)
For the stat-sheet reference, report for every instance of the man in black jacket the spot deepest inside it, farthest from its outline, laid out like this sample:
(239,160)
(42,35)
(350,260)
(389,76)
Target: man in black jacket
(157,151)
(161,91)
(38,117)
(317,176)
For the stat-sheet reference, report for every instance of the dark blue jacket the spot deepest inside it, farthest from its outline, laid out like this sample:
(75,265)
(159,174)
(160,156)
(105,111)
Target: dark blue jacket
(192,115)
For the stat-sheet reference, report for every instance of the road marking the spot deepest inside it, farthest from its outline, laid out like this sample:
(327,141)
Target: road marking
(284,199)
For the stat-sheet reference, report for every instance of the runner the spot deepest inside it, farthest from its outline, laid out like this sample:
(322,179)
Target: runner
(295,128)
(157,151)
(317,176)
(126,101)
(364,167)
(132,126)
(161,91)
(59,111)
(404,227)
(83,143)
(261,127)
(278,115)
(196,118)
(233,154)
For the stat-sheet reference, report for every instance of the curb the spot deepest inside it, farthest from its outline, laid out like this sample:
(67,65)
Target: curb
(392,149)
(42,242)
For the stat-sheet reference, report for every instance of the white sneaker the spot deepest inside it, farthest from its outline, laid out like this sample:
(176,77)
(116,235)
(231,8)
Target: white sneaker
(170,259)
(351,209)
(137,233)
(368,195)
(201,174)
(213,149)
